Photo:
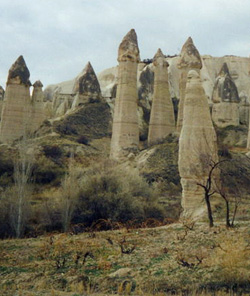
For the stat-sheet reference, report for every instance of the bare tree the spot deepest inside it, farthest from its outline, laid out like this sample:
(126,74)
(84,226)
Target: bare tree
(69,194)
(209,186)
(23,166)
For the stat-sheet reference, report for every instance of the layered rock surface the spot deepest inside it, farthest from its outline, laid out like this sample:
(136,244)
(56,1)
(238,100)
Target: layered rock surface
(225,100)
(16,107)
(125,131)
(197,146)
(162,122)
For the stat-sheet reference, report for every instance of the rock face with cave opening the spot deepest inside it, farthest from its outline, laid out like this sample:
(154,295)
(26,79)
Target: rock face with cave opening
(197,146)
(16,106)
(162,122)
(125,130)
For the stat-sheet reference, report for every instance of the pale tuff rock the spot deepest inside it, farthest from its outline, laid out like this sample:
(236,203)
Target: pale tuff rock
(16,108)
(162,122)
(225,99)
(86,87)
(38,113)
(125,131)
(1,100)
(189,59)
(244,109)
(197,146)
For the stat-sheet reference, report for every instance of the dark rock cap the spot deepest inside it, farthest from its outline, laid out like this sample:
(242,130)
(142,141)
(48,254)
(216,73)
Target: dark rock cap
(38,83)
(128,49)
(19,69)
(190,56)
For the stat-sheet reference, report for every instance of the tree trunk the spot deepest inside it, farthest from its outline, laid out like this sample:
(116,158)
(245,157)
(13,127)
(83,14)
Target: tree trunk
(209,211)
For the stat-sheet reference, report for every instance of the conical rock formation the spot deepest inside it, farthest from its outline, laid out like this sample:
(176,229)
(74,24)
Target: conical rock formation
(189,60)
(86,87)
(162,122)
(197,146)
(38,114)
(16,107)
(226,100)
(125,131)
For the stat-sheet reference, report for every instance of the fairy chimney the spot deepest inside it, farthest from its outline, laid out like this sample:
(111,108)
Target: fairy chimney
(189,60)
(197,146)
(16,107)
(38,113)
(125,131)
(226,108)
(162,122)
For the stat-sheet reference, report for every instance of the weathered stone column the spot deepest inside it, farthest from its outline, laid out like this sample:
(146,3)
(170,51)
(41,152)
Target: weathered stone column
(226,108)
(162,122)
(87,87)
(189,60)
(125,132)
(38,113)
(1,100)
(16,107)
(197,146)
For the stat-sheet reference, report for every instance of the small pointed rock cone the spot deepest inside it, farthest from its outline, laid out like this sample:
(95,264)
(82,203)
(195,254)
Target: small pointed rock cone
(189,60)
(162,122)
(226,107)
(197,146)
(125,131)
(38,113)
(16,106)
(86,87)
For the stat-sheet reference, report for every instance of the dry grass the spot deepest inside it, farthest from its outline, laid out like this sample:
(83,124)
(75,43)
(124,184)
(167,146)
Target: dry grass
(167,259)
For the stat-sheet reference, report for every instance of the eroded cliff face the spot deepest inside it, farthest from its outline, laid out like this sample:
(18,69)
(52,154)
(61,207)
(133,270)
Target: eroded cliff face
(238,67)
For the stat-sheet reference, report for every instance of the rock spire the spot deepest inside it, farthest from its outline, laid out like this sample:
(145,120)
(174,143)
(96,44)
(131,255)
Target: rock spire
(16,107)
(87,87)
(226,100)
(189,60)
(38,114)
(125,130)
(197,146)
(162,122)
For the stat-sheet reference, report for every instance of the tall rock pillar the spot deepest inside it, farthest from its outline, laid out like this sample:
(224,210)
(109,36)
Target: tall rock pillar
(226,107)
(197,146)
(162,122)
(38,113)
(16,105)
(189,60)
(125,131)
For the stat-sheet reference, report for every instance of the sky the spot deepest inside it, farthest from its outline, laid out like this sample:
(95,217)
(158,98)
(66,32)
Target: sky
(58,37)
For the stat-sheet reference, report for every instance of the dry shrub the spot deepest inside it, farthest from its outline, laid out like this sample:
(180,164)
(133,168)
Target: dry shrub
(232,258)
(114,192)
